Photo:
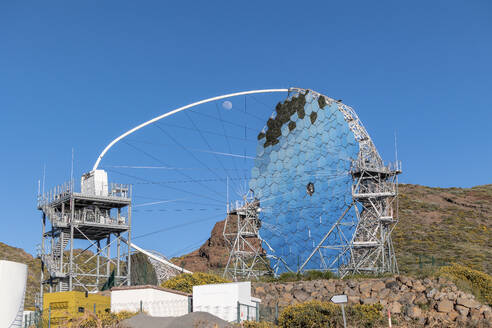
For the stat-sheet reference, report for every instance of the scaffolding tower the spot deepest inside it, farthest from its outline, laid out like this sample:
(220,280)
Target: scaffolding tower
(85,235)
(375,192)
(247,259)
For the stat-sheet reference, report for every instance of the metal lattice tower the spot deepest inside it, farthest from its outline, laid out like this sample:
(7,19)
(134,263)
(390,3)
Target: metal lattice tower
(375,191)
(246,256)
(91,219)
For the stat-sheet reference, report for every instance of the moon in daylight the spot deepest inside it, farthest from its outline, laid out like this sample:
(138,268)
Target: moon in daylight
(227,105)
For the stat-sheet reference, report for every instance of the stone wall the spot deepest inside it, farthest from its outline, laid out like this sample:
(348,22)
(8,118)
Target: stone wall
(423,302)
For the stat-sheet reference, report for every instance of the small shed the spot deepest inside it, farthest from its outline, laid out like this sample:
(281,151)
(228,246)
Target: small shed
(155,301)
(229,301)
(58,307)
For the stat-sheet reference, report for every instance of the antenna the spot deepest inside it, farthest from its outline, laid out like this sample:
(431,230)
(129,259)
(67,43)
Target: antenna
(44,176)
(227,187)
(71,173)
(396,150)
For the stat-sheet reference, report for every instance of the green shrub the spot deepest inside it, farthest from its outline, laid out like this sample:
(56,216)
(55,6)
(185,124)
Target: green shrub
(254,324)
(477,282)
(185,281)
(326,314)
(318,275)
(310,314)
(366,315)
(306,276)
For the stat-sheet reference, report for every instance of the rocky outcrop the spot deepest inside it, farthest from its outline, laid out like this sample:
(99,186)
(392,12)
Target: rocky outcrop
(214,253)
(435,303)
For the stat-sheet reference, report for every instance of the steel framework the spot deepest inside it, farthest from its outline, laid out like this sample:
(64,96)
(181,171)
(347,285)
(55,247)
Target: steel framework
(241,233)
(90,220)
(164,269)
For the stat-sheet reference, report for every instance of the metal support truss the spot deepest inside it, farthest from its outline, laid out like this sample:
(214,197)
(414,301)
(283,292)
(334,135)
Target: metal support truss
(85,242)
(338,242)
(375,190)
(241,232)
(164,269)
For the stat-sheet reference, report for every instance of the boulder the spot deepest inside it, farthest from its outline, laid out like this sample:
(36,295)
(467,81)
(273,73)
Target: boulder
(405,280)
(259,291)
(352,283)
(354,299)
(365,289)
(330,287)
(432,292)
(462,319)
(392,284)
(418,286)
(351,292)
(382,293)
(445,306)
(406,298)
(369,300)
(451,296)
(301,295)
(462,310)
(468,302)
(395,308)
(475,315)
(485,308)
(285,299)
(420,299)
(488,316)
(413,312)
(377,286)
(309,288)
(452,315)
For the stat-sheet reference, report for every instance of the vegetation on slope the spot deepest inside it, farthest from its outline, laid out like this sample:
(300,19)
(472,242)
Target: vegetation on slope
(444,225)
(476,282)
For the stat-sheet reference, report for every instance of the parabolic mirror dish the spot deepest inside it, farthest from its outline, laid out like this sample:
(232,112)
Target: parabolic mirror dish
(302,179)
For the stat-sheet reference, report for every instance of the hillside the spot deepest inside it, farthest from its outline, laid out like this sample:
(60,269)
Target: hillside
(447,224)
(437,226)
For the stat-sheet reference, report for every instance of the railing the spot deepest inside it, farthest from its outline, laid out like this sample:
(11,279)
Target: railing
(374,189)
(56,193)
(390,168)
(120,190)
(246,312)
(117,190)
(90,217)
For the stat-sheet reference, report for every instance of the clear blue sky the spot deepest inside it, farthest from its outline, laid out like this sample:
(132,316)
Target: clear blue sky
(77,74)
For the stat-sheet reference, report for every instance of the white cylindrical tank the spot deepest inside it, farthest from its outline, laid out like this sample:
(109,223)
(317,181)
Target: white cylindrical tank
(13,279)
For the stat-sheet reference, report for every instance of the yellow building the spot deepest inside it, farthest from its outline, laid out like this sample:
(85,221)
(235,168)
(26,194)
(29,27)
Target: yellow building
(59,307)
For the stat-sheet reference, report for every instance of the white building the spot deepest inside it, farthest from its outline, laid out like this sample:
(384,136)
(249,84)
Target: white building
(230,301)
(155,301)
(13,278)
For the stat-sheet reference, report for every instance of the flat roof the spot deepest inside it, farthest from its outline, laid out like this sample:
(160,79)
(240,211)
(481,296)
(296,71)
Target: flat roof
(150,287)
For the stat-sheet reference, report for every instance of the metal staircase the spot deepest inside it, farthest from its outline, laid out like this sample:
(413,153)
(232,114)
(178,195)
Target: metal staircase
(61,244)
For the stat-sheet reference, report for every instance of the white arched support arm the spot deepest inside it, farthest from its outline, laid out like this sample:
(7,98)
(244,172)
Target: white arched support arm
(177,110)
